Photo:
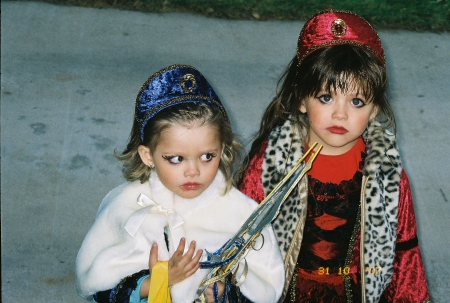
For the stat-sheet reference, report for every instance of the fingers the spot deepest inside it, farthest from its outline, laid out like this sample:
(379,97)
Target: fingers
(183,266)
(178,256)
(210,292)
(190,253)
(180,248)
(153,258)
(194,263)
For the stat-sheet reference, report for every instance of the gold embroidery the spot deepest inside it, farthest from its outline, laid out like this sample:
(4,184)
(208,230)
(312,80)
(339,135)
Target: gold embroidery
(177,100)
(291,293)
(351,248)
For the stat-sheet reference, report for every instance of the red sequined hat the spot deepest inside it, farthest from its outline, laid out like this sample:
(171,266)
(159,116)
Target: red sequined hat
(329,28)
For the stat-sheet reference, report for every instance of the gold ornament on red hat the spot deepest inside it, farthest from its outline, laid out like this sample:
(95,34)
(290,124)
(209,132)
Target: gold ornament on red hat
(339,28)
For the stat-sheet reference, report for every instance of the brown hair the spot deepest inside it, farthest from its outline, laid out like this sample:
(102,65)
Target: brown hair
(340,67)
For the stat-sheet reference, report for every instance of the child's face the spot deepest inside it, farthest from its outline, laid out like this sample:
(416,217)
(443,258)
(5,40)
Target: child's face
(337,120)
(186,159)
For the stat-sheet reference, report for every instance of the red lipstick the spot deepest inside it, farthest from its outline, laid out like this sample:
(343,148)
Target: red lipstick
(191,186)
(339,130)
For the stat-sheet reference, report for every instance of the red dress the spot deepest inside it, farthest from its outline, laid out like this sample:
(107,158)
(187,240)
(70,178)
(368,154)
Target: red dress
(329,255)
(331,227)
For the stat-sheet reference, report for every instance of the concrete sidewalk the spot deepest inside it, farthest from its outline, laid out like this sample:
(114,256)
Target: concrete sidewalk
(69,79)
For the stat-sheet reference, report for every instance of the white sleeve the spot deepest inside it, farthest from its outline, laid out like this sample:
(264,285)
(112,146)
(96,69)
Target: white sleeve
(265,278)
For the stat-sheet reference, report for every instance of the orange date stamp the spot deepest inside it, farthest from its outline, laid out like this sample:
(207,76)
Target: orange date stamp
(343,271)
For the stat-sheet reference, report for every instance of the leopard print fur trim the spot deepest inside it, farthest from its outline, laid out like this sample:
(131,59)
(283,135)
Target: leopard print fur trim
(285,147)
(382,170)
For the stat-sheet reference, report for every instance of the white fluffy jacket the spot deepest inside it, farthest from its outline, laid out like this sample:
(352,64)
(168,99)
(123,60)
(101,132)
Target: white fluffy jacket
(109,252)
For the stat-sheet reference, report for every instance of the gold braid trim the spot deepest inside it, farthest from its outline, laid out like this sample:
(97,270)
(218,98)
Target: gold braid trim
(351,248)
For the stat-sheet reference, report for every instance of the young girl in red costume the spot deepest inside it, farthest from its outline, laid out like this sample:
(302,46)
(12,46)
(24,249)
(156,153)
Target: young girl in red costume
(348,232)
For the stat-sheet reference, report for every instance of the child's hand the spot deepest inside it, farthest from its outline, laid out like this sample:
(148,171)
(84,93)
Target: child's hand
(180,266)
(210,294)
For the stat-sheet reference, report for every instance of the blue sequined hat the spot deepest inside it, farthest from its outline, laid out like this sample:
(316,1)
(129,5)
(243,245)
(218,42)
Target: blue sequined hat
(175,84)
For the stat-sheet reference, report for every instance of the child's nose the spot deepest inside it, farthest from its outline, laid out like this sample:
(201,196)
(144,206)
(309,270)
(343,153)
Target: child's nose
(192,169)
(339,112)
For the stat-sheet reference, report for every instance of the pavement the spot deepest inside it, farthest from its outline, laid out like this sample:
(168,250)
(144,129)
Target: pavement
(69,77)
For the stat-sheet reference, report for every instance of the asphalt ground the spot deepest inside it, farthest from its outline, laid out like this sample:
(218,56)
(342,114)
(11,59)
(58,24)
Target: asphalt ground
(69,78)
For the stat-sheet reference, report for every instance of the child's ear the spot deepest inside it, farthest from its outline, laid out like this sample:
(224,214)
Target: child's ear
(302,107)
(146,155)
(374,113)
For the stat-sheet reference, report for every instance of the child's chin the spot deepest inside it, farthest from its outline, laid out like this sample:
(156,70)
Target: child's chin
(190,194)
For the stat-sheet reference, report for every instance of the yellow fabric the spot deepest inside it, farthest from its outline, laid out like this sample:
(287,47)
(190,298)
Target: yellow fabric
(159,291)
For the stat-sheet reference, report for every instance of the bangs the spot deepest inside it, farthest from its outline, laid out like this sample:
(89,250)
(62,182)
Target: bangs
(346,82)
(343,68)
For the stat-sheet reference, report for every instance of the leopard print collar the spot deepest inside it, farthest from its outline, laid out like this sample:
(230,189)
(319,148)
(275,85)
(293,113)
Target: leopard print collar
(381,171)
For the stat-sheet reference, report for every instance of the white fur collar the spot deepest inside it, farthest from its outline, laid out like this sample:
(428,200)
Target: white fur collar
(109,252)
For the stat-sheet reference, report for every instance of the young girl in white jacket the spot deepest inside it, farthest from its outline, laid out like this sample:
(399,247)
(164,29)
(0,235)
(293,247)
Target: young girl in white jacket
(179,190)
